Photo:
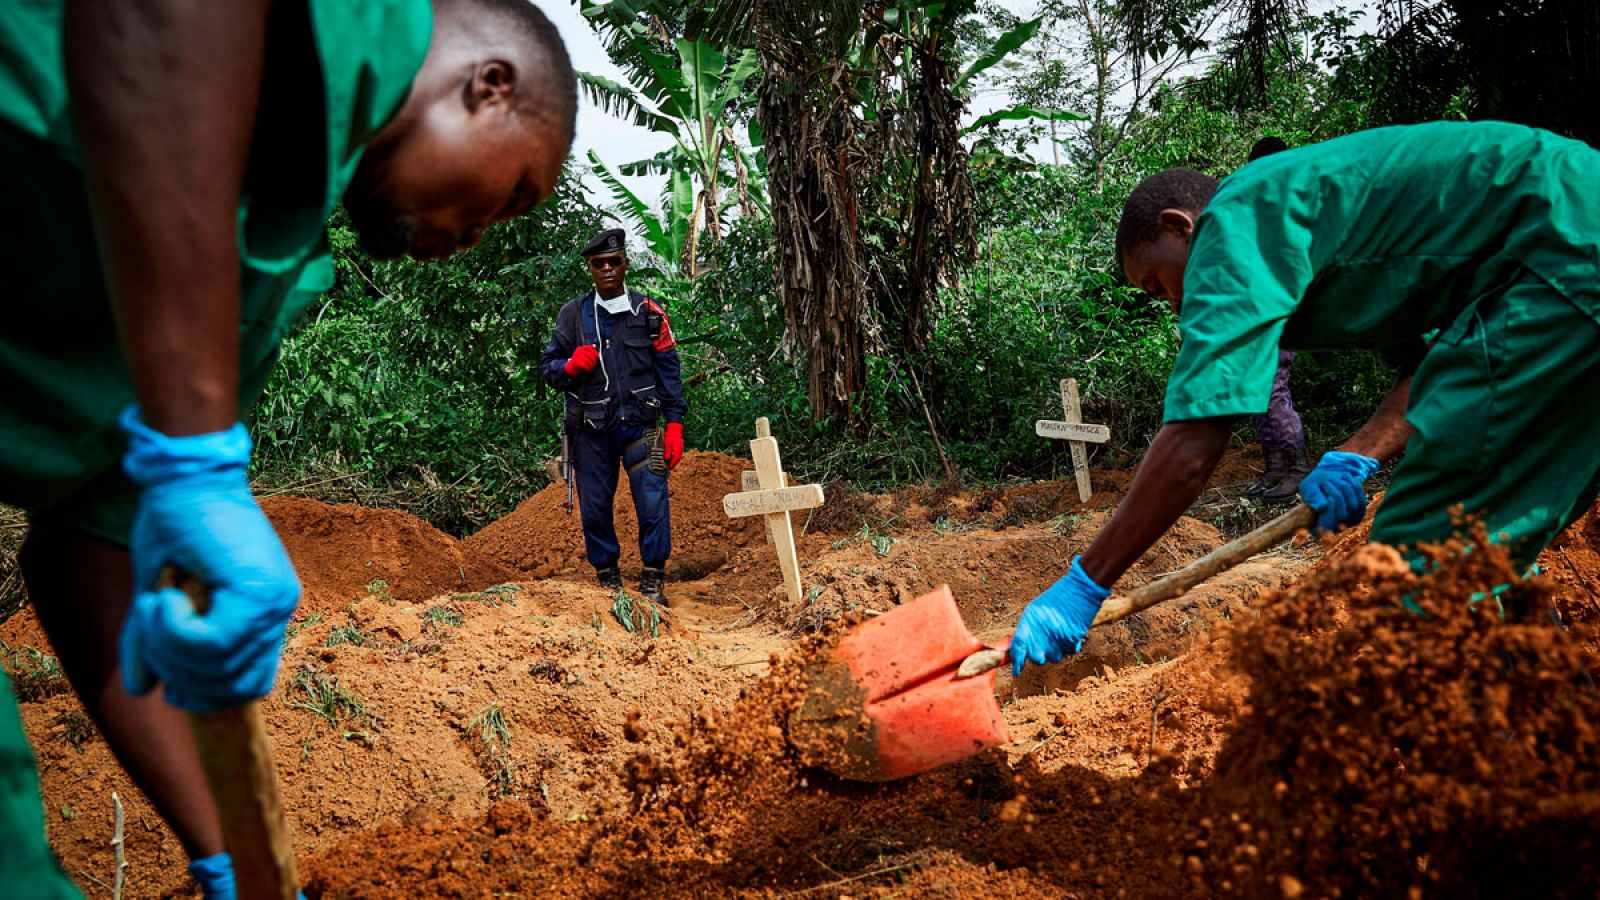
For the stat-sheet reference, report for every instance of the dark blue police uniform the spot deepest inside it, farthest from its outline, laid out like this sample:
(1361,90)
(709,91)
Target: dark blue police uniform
(636,384)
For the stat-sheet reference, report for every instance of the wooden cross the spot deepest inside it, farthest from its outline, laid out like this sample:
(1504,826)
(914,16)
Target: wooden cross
(767,493)
(1075,433)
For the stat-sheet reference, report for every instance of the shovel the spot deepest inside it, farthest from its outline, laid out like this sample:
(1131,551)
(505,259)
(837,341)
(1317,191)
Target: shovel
(236,755)
(912,689)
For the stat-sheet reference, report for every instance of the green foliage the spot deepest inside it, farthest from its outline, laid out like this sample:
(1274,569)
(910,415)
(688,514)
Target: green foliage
(328,699)
(494,595)
(425,375)
(637,615)
(494,736)
(73,728)
(344,634)
(442,616)
(35,675)
(685,89)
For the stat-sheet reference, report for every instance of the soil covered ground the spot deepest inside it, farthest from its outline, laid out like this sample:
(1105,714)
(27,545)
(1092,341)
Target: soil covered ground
(471,718)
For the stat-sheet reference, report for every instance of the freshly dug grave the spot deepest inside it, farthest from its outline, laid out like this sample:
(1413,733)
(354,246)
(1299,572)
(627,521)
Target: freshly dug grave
(730,560)
(440,710)
(344,552)
(539,539)
(1354,748)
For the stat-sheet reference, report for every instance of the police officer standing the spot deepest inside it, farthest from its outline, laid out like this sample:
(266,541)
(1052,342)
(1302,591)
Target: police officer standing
(614,355)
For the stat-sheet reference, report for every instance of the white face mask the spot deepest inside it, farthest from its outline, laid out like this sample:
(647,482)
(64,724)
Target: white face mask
(618,304)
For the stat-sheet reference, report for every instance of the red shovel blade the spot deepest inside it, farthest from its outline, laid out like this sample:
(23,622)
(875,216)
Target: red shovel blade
(887,704)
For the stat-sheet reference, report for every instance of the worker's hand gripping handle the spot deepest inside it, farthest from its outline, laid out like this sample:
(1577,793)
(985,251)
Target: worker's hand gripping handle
(1175,583)
(237,756)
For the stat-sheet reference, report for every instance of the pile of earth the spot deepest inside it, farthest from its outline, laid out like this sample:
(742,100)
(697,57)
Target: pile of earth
(540,539)
(1329,742)
(388,710)
(343,552)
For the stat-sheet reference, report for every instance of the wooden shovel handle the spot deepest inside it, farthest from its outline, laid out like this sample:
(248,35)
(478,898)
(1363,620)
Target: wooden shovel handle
(1173,583)
(1214,563)
(237,757)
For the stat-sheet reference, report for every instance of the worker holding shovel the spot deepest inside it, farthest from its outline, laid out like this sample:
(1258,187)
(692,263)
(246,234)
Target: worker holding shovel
(1481,238)
(168,170)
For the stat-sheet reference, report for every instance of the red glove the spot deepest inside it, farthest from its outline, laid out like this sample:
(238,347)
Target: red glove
(673,443)
(583,359)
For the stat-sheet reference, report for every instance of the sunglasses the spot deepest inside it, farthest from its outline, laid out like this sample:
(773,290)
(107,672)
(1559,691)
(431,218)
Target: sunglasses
(608,262)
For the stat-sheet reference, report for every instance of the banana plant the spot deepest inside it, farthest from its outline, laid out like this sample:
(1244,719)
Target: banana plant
(666,234)
(684,94)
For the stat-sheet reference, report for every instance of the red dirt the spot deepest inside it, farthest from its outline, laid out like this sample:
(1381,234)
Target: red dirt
(1363,750)
(339,550)
(638,764)
(539,539)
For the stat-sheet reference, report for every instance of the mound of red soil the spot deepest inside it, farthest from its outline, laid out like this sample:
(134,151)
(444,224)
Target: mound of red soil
(540,539)
(1364,750)
(339,550)
(1386,752)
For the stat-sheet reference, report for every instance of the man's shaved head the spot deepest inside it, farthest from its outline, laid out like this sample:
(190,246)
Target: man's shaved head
(1183,189)
(552,91)
(1153,236)
(480,139)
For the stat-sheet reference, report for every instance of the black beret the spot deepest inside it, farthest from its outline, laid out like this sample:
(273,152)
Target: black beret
(612,240)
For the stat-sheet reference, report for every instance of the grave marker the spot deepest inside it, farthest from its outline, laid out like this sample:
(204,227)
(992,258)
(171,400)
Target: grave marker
(767,493)
(1075,433)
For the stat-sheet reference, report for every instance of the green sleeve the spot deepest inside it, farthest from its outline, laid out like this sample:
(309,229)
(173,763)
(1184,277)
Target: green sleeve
(1250,263)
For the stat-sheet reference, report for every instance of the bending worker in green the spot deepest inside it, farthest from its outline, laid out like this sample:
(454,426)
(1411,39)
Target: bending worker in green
(1486,233)
(168,167)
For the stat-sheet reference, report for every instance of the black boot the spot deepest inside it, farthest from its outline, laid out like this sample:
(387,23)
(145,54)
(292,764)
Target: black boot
(1297,466)
(1277,465)
(610,577)
(652,582)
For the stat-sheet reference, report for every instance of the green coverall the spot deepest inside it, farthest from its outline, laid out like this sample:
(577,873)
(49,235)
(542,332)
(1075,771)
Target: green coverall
(1487,233)
(63,379)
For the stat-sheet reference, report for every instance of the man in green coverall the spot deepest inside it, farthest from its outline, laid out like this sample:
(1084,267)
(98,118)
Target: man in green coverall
(166,170)
(1486,235)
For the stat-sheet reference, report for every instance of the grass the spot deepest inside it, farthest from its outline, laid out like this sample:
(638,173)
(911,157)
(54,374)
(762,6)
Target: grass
(442,616)
(553,672)
(35,675)
(379,588)
(494,733)
(637,614)
(328,699)
(345,634)
(13,527)
(72,727)
(1066,523)
(295,628)
(494,595)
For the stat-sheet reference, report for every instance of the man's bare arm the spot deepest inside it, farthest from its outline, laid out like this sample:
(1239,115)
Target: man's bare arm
(1173,475)
(1386,433)
(164,99)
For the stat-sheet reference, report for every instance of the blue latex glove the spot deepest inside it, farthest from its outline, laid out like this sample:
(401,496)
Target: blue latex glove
(196,514)
(1057,620)
(1335,489)
(214,874)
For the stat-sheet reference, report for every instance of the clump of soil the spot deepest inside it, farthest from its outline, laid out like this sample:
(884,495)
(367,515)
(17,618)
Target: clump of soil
(539,539)
(1383,751)
(343,552)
